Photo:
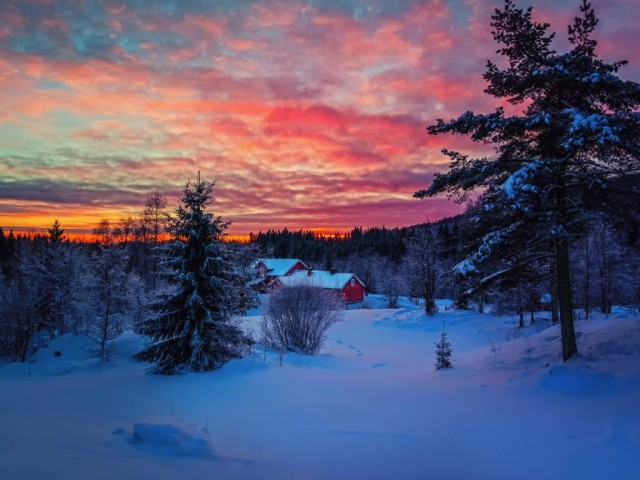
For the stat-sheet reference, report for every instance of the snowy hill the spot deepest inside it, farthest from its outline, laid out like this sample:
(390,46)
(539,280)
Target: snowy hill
(371,406)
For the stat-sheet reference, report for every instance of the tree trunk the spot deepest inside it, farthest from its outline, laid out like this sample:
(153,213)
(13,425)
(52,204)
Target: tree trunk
(430,305)
(587,279)
(554,294)
(569,346)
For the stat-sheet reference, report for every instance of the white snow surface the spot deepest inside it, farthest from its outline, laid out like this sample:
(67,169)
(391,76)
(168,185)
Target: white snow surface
(519,180)
(319,278)
(173,436)
(277,267)
(371,406)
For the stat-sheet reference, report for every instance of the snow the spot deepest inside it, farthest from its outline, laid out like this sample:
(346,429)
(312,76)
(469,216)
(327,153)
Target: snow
(320,278)
(491,242)
(518,181)
(595,124)
(465,267)
(277,267)
(173,436)
(370,406)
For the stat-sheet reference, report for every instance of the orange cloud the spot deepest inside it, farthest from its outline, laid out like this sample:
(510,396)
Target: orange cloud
(307,113)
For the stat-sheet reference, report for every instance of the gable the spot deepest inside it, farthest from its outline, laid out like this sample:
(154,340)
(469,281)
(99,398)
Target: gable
(278,267)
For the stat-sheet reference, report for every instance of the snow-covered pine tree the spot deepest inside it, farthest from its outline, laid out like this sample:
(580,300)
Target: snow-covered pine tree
(576,138)
(56,264)
(194,330)
(443,351)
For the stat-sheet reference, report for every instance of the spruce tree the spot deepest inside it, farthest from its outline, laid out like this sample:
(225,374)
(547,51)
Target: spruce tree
(56,233)
(562,158)
(443,351)
(195,330)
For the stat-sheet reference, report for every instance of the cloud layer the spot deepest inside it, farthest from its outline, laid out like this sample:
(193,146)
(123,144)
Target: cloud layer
(309,114)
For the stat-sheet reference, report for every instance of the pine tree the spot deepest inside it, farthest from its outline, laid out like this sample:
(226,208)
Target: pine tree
(56,232)
(194,330)
(443,351)
(560,159)
(54,278)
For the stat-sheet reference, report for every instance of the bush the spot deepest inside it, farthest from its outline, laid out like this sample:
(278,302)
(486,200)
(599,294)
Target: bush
(296,317)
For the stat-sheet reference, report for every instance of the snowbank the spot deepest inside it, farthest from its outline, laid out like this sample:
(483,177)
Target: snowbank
(173,437)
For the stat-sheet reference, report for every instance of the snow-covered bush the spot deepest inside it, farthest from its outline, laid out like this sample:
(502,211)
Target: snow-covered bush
(296,317)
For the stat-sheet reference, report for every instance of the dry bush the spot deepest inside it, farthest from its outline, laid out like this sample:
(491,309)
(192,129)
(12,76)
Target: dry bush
(296,317)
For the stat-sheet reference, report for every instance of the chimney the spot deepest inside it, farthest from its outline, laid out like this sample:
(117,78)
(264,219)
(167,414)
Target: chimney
(332,270)
(309,272)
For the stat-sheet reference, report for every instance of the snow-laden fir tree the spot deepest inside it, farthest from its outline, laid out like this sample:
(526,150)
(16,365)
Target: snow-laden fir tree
(564,156)
(443,351)
(195,329)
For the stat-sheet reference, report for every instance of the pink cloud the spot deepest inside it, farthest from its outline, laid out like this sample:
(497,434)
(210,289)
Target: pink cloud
(300,113)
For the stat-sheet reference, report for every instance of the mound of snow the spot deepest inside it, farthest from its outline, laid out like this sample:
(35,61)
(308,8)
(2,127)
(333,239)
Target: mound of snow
(173,436)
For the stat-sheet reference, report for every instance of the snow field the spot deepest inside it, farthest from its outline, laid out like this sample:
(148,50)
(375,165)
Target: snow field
(371,406)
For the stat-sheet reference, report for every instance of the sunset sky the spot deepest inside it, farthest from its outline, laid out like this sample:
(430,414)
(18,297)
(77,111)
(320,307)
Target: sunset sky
(309,114)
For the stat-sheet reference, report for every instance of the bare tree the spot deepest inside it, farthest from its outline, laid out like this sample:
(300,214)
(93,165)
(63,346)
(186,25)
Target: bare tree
(608,253)
(104,232)
(390,281)
(138,299)
(110,298)
(296,317)
(153,224)
(423,267)
(363,265)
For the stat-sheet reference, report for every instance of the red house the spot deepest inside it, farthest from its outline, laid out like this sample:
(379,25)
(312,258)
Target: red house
(349,285)
(268,269)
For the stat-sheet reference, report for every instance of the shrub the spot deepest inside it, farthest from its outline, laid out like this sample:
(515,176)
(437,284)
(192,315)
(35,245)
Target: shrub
(296,317)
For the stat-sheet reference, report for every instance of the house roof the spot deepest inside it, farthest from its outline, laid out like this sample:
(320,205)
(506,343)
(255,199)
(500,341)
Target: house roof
(320,278)
(277,267)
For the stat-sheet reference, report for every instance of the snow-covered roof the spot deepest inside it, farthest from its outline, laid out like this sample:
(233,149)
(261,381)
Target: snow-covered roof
(277,267)
(320,278)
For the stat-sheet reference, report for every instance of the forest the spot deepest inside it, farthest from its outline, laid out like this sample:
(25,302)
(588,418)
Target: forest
(52,286)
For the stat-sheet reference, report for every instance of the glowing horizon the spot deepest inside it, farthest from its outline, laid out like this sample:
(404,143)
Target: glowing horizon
(308,114)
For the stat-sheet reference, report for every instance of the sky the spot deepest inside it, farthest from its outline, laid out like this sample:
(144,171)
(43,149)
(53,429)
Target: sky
(308,114)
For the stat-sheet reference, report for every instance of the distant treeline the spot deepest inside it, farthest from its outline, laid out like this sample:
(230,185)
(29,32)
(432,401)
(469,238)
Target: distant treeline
(323,250)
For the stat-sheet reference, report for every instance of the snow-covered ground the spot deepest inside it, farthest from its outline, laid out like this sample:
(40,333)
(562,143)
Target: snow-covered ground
(372,406)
